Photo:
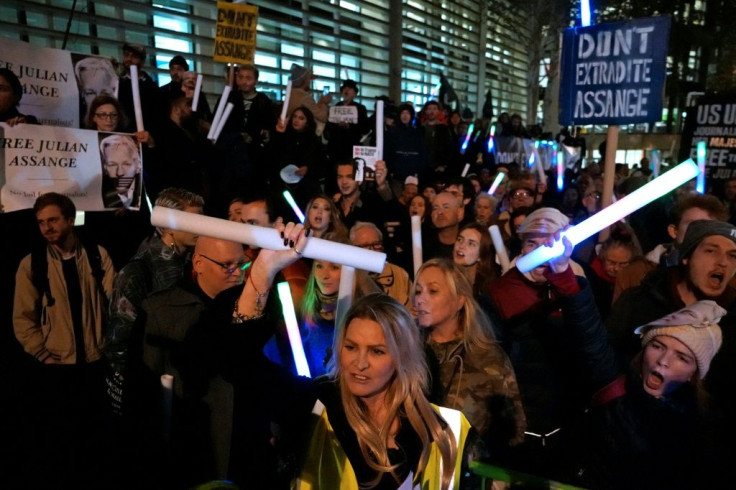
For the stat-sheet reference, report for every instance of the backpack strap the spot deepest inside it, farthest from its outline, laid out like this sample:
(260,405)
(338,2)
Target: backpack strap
(614,389)
(40,273)
(94,257)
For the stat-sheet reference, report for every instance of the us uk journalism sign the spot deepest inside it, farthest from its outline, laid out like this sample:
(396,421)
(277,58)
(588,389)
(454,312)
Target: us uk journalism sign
(614,73)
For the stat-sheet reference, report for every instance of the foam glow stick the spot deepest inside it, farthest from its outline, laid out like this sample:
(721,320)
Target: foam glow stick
(496,182)
(167,389)
(379,129)
(540,165)
(222,121)
(647,193)
(585,13)
(503,257)
(491,134)
(560,157)
(292,329)
(258,236)
(218,112)
(287,96)
(290,199)
(344,293)
(197,90)
(416,242)
(654,163)
(468,135)
(700,155)
(465,170)
(136,98)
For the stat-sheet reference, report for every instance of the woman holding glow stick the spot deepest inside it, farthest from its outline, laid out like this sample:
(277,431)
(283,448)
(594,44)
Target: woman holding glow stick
(648,425)
(368,422)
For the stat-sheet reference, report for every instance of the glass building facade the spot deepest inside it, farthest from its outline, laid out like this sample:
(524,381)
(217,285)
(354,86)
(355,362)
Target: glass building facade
(390,47)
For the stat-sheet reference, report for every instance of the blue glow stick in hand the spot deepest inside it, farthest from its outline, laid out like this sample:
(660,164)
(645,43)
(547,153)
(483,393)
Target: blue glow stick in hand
(292,330)
(700,155)
(655,189)
(496,182)
(468,135)
(560,157)
(491,134)
(290,199)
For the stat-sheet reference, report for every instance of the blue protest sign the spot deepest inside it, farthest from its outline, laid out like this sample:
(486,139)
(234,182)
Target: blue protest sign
(614,73)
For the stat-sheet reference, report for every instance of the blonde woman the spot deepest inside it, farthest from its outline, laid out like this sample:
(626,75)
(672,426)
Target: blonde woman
(474,375)
(368,423)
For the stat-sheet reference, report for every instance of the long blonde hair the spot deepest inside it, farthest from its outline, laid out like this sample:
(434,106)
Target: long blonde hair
(475,327)
(405,393)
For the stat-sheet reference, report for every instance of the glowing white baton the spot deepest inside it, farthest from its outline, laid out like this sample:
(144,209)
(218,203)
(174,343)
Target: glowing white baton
(285,106)
(655,189)
(269,238)
(344,293)
(197,90)
(218,112)
(465,170)
(379,129)
(416,241)
(503,257)
(222,121)
(496,182)
(136,98)
(290,199)
(700,155)
(292,330)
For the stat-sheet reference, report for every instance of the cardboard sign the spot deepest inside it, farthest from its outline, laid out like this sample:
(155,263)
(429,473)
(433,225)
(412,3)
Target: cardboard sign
(365,157)
(235,33)
(95,170)
(614,73)
(712,120)
(343,114)
(58,85)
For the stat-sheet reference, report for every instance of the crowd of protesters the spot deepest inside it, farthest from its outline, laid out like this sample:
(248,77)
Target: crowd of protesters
(589,370)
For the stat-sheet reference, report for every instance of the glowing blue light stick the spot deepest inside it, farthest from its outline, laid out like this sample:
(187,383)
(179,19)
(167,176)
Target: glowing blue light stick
(491,134)
(532,159)
(560,157)
(700,155)
(647,193)
(292,330)
(654,163)
(585,13)
(290,199)
(468,135)
(496,182)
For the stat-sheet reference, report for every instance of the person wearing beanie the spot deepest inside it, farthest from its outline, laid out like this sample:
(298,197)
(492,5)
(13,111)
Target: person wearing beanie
(178,66)
(526,310)
(153,106)
(645,425)
(301,95)
(347,123)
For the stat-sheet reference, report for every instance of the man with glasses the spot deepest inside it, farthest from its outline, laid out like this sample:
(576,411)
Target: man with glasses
(202,406)
(521,194)
(393,280)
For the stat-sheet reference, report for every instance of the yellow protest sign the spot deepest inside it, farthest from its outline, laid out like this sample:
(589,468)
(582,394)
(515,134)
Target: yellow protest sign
(235,34)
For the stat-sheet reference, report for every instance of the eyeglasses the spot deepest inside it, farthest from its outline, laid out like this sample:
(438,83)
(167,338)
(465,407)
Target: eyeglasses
(107,115)
(229,268)
(594,195)
(521,194)
(372,246)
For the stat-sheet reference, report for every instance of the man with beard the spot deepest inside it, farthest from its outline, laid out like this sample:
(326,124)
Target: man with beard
(180,152)
(61,296)
(151,106)
(178,66)
(707,262)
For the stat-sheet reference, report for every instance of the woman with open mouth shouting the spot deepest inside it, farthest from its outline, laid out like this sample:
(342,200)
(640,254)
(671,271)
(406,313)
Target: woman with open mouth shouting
(650,427)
